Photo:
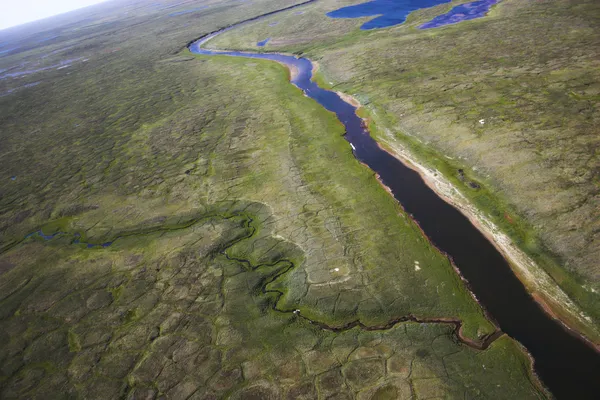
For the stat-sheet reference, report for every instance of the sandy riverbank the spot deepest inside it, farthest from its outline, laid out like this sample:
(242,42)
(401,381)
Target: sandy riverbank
(539,284)
(535,279)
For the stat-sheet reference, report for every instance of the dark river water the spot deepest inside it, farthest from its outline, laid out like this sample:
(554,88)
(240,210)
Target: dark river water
(569,367)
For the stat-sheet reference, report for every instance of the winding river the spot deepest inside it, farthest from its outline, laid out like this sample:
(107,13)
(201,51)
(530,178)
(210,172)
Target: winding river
(567,365)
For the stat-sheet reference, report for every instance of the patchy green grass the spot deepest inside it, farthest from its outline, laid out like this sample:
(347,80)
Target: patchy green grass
(191,317)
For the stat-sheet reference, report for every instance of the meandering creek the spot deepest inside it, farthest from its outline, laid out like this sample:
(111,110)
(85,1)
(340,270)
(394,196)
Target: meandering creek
(568,366)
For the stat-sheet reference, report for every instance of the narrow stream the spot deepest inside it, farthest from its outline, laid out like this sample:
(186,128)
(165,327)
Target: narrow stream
(569,367)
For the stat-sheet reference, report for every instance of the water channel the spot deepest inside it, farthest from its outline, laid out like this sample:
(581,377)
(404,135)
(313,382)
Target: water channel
(567,365)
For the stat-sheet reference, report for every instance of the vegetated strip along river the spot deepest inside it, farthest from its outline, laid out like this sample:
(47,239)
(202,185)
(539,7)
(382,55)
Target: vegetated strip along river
(569,367)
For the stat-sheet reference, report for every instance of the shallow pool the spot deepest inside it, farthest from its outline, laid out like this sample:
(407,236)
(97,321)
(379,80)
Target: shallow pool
(463,12)
(263,42)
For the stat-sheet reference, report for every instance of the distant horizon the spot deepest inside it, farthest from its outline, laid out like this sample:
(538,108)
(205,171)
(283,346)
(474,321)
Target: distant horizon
(25,11)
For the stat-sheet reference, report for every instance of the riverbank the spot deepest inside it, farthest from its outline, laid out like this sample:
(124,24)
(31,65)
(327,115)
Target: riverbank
(540,285)
(537,281)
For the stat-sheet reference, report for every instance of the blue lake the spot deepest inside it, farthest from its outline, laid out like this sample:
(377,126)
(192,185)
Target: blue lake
(394,12)
(463,12)
(390,12)
(263,42)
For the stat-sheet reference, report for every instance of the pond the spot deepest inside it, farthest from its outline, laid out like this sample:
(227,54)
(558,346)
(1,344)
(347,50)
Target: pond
(263,42)
(394,12)
(390,12)
(463,12)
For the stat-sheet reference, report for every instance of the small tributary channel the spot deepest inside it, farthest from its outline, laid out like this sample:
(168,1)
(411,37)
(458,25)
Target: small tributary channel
(569,367)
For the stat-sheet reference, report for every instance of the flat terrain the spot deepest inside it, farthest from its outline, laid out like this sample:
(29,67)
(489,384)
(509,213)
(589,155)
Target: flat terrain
(246,241)
(505,106)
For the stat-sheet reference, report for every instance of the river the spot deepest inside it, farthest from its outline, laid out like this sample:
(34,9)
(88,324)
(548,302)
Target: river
(567,365)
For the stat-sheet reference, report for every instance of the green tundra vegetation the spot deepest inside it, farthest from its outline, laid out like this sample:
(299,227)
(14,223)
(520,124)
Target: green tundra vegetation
(250,256)
(183,306)
(509,102)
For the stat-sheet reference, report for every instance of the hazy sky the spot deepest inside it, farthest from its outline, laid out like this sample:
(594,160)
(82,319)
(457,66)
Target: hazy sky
(16,12)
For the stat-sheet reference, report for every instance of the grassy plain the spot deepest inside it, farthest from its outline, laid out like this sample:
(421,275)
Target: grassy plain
(167,311)
(528,70)
(231,200)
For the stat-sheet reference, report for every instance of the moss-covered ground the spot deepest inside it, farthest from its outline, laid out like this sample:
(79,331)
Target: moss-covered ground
(186,306)
(505,106)
(231,201)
